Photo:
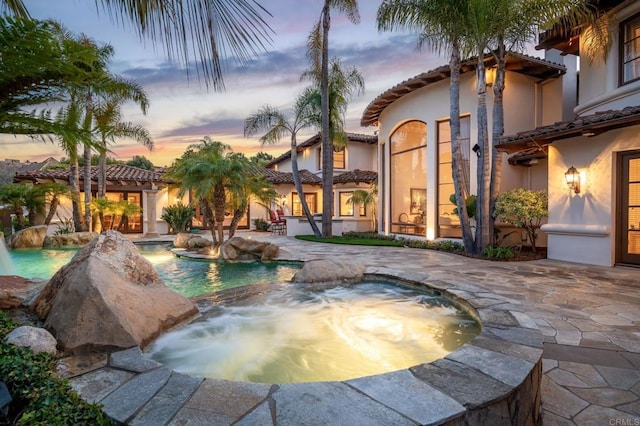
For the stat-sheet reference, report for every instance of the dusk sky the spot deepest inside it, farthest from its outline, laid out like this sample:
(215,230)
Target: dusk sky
(182,111)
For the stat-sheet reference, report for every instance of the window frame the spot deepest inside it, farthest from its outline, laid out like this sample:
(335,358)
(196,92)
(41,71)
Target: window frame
(313,208)
(622,42)
(348,194)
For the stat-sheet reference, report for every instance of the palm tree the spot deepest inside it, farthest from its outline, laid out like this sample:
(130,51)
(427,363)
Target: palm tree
(53,193)
(109,126)
(304,115)
(207,170)
(442,25)
(319,56)
(190,29)
(367,198)
(14,195)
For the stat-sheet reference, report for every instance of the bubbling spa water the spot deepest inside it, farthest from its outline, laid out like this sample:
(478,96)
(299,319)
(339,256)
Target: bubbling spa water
(297,335)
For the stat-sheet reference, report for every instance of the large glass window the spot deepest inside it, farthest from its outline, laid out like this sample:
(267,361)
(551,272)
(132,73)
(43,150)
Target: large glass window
(630,50)
(339,159)
(346,208)
(448,222)
(120,218)
(408,176)
(296,205)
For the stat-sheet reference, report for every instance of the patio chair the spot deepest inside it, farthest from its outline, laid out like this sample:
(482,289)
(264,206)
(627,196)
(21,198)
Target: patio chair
(403,221)
(278,224)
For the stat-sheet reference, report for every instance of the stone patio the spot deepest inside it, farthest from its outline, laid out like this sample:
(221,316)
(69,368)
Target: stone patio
(588,316)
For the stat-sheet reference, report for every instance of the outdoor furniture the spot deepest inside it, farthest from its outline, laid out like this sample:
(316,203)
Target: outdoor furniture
(278,223)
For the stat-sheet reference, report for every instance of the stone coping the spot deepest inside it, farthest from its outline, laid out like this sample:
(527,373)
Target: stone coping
(493,379)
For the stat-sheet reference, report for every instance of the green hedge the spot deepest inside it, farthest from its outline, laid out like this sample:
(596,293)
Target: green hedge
(39,396)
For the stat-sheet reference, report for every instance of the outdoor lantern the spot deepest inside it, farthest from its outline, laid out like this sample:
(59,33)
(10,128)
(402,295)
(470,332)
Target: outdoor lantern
(573,179)
(476,149)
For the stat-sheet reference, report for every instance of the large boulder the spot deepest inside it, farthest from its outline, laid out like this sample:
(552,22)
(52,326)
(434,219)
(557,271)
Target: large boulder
(180,241)
(238,249)
(198,242)
(329,271)
(16,292)
(109,297)
(32,237)
(72,239)
(37,339)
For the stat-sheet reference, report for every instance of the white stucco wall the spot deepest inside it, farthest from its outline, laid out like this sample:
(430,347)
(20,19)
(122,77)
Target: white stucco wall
(599,85)
(430,104)
(582,226)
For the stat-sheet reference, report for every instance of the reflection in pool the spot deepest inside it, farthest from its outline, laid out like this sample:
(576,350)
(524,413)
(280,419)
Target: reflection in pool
(188,277)
(296,335)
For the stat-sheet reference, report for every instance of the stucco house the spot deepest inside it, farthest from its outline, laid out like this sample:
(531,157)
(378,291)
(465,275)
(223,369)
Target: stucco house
(354,168)
(414,146)
(593,158)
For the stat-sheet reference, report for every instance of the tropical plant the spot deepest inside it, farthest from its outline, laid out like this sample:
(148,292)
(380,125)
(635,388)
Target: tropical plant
(13,196)
(64,226)
(369,199)
(277,125)
(178,217)
(204,30)
(210,170)
(53,194)
(318,52)
(524,209)
(471,202)
(141,162)
(260,224)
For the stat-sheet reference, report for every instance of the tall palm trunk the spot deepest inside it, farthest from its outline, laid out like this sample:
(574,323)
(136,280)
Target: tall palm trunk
(456,151)
(209,218)
(88,120)
(483,213)
(53,207)
(74,184)
(498,128)
(298,185)
(327,144)
(235,220)
(102,171)
(219,202)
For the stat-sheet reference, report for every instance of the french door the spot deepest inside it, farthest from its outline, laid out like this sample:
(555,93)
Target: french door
(628,235)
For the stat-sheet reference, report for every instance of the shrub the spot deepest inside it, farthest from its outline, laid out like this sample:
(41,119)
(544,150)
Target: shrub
(524,209)
(178,216)
(39,396)
(261,224)
(498,253)
(65,226)
(368,235)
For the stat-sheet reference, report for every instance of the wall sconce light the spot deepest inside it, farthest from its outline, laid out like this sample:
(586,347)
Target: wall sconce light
(572,177)
(283,200)
(476,149)
(588,133)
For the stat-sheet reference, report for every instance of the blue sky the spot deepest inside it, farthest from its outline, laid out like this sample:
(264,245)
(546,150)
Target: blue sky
(182,111)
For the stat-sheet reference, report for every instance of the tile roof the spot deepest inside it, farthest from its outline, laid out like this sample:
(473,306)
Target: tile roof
(516,62)
(313,140)
(589,125)
(276,177)
(356,176)
(116,172)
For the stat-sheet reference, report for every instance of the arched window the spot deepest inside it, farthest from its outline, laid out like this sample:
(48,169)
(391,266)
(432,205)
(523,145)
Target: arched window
(408,175)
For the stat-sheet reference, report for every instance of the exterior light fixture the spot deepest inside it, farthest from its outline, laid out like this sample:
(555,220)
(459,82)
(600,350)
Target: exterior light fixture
(588,133)
(476,149)
(572,177)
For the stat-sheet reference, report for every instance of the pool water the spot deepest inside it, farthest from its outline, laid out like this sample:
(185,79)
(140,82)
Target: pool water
(189,277)
(296,335)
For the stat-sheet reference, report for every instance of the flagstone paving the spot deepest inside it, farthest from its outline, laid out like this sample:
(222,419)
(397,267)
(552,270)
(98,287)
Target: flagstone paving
(589,317)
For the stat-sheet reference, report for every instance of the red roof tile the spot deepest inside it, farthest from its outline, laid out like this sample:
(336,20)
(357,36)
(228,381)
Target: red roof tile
(116,172)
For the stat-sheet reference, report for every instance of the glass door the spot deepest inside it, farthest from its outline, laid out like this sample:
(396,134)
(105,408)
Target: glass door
(628,244)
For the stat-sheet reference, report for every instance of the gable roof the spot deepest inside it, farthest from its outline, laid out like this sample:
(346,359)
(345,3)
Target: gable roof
(116,173)
(316,139)
(588,125)
(516,62)
(276,177)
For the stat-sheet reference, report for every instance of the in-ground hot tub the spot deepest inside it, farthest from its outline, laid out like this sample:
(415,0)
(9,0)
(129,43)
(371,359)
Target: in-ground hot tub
(493,379)
(301,334)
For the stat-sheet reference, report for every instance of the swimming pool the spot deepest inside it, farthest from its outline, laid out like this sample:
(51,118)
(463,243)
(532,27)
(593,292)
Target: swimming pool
(189,277)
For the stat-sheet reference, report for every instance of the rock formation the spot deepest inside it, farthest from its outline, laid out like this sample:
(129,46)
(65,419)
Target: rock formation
(109,297)
(32,237)
(329,271)
(72,239)
(16,292)
(37,339)
(238,249)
